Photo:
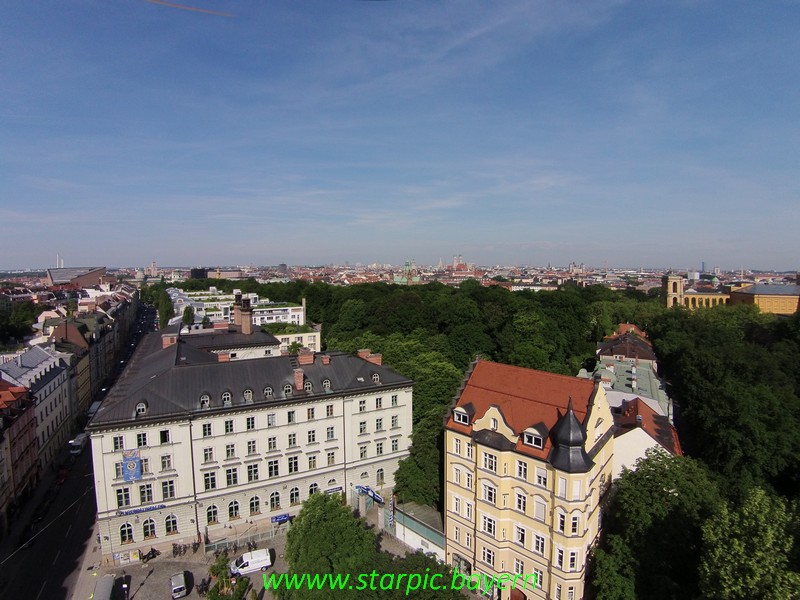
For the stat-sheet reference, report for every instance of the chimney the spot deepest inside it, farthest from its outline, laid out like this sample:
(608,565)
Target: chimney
(375,359)
(223,357)
(305,357)
(298,379)
(326,359)
(246,317)
(168,339)
(237,307)
(221,326)
(364,353)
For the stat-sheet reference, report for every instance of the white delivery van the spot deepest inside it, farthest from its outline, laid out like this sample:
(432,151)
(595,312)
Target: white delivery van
(250,562)
(76,445)
(178,585)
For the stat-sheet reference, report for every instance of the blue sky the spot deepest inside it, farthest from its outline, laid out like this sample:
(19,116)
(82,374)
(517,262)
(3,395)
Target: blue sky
(322,131)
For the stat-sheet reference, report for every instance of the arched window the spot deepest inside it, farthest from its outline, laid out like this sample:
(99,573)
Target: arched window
(211,515)
(376,378)
(205,401)
(255,505)
(287,389)
(326,384)
(141,408)
(307,386)
(332,481)
(233,510)
(674,287)
(149,529)
(126,533)
(171,524)
(226,397)
(248,395)
(364,474)
(313,489)
(274,501)
(267,392)
(294,496)
(380,477)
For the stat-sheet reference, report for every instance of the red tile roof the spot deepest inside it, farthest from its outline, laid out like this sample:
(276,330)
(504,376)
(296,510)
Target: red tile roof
(655,425)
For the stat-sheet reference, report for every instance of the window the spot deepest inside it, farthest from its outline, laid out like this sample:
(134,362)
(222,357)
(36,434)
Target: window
(251,447)
(562,487)
(293,466)
(562,519)
(489,525)
(522,502)
(310,414)
(164,436)
(376,378)
(171,524)
(531,439)
(166,462)
(141,439)
(250,423)
(538,544)
(362,427)
(539,510)
(573,561)
(230,450)
(229,426)
(379,448)
(329,410)
(226,398)
(290,417)
(210,481)
(493,424)
(362,405)
(326,384)
(490,462)
(307,386)
(145,465)
(267,392)
(461,417)
(141,409)
(271,420)
(272,444)
(570,593)
(457,446)
(560,558)
(469,450)
(457,505)
(395,445)
(287,390)
(457,535)
(211,515)
(312,436)
(168,489)
(396,422)
(208,454)
(206,429)
(539,577)
(457,475)
(274,501)
(489,493)
(233,510)
(118,442)
(558,591)
(312,462)
(331,433)
(313,489)
(468,540)
(272,468)
(362,452)
(541,477)
(294,496)
(378,424)
(123,497)
(519,535)
(205,401)
(519,567)
(575,524)
(468,510)
(331,458)
(232,476)
(394,399)
(252,472)
(378,403)
(292,440)
(255,505)
(149,529)
(146,493)
(488,556)
(125,533)
(522,469)
(379,476)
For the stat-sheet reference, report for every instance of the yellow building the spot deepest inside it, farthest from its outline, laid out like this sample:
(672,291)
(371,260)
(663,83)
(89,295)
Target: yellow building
(770,298)
(775,299)
(528,458)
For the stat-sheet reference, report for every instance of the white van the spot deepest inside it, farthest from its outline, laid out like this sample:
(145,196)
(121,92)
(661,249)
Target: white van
(250,562)
(178,584)
(76,445)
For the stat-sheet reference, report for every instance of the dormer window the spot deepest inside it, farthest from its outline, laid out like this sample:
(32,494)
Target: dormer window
(248,395)
(205,401)
(267,392)
(287,389)
(461,417)
(531,439)
(493,424)
(326,384)
(307,386)
(141,409)
(226,398)
(376,378)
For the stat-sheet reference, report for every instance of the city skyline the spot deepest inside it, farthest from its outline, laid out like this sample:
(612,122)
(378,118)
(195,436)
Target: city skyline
(611,134)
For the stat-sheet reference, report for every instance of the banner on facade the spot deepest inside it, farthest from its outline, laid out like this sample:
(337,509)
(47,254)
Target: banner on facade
(131,465)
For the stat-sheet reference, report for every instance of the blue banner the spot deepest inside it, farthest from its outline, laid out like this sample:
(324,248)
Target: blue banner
(131,465)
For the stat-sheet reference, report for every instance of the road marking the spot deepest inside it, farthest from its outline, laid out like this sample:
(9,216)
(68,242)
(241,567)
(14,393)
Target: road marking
(41,590)
(69,528)
(56,557)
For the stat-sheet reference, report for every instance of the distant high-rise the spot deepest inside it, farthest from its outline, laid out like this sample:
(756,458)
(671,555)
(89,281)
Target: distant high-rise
(198,273)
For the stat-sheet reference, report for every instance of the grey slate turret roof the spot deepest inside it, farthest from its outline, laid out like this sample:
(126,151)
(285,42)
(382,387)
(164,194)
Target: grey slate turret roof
(568,438)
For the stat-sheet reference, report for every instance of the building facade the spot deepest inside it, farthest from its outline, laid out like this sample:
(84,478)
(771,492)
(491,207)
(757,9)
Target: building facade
(188,448)
(528,457)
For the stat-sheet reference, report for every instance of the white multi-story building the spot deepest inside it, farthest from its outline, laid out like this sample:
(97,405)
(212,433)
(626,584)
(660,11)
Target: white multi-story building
(218,306)
(190,446)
